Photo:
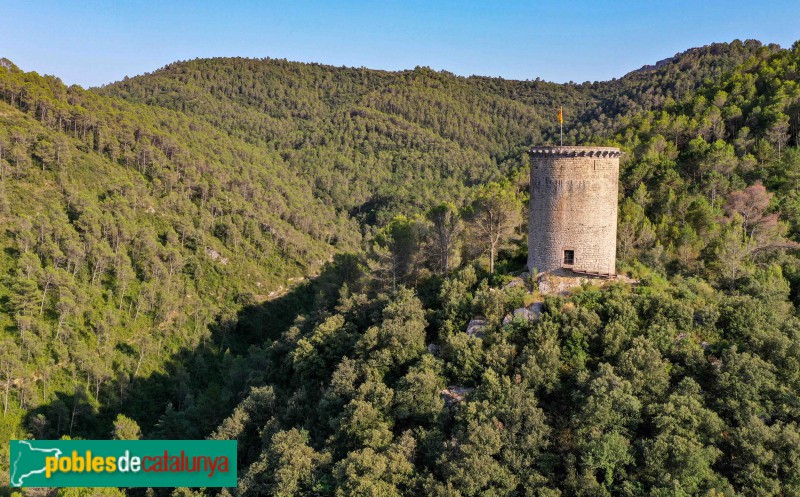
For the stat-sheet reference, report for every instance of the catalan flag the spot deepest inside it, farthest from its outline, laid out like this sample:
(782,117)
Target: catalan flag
(561,115)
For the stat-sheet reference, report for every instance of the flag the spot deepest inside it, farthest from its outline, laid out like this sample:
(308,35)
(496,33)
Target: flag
(561,115)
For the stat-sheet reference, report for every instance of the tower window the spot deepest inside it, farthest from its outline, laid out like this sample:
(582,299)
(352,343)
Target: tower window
(569,257)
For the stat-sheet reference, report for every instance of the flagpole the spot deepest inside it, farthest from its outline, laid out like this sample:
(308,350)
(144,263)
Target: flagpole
(561,124)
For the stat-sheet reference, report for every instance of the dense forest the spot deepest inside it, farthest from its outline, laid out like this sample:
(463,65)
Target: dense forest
(290,255)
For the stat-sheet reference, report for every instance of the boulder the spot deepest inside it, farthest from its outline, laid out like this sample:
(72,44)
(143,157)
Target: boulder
(518,282)
(530,313)
(454,394)
(476,326)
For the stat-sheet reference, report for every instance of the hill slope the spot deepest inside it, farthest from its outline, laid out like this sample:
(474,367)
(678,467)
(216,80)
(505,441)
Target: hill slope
(149,226)
(127,232)
(362,138)
(681,385)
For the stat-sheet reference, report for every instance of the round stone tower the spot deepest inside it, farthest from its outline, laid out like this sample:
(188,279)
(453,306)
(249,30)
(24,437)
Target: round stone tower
(573,218)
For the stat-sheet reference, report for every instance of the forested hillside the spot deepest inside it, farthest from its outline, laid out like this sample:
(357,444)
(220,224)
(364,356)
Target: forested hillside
(367,140)
(128,233)
(152,230)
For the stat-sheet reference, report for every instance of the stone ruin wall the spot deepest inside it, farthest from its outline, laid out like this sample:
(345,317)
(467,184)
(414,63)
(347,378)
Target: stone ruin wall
(574,196)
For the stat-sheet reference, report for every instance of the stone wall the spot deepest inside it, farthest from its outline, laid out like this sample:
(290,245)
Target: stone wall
(573,207)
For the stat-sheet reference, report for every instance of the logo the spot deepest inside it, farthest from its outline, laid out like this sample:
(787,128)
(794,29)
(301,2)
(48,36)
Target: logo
(123,463)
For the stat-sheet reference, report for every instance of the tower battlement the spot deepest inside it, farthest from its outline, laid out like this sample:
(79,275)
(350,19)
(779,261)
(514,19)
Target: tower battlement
(574,152)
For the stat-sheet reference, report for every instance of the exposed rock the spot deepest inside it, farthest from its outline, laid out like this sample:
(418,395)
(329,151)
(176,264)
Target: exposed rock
(563,281)
(518,282)
(216,256)
(560,284)
(454,394)
(476,326)
(281,290)
(530,313)
(433,348)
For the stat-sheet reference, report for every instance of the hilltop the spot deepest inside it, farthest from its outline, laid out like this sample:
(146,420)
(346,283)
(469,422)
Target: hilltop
(286,254)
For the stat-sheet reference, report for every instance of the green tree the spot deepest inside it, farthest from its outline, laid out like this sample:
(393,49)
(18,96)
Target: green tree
(400,338)
(287,467)
(418,393)
(680,456)
(446,228)
(368,472)
(125,429)
(495,214)
(604,428)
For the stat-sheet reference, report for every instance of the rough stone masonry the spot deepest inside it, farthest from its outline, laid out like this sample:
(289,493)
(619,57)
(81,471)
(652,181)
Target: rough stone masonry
(573,215)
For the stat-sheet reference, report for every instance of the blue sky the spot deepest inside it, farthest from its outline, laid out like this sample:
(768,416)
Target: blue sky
(92,42)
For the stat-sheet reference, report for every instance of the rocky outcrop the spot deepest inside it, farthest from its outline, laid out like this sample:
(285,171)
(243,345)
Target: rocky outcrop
(530,313)
(455,394)
(476,326)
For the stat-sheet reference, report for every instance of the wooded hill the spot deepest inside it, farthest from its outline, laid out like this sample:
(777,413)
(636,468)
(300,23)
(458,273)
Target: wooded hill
(151,229)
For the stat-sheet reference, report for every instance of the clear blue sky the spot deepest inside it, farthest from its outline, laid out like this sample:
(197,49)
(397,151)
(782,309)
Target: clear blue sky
(92,43)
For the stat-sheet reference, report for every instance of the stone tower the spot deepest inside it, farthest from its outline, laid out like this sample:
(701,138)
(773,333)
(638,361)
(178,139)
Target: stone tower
(573,218)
